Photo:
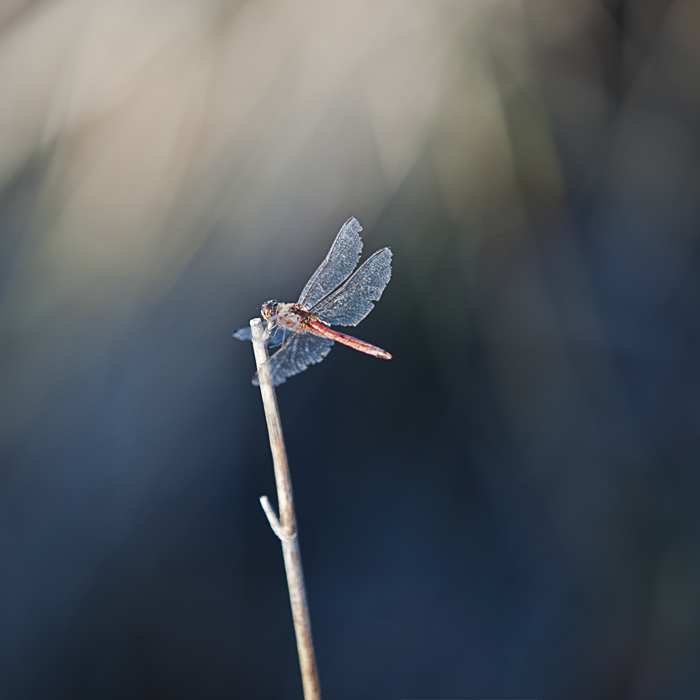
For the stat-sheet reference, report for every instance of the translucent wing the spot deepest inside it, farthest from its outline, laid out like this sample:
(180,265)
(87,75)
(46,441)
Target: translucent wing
(337,265)
(273,336)
(276,335)
(298,352)
(349,304)
(243,334)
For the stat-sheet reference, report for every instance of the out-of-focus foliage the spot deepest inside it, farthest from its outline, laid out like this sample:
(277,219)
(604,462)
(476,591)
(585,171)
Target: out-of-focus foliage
(509,507)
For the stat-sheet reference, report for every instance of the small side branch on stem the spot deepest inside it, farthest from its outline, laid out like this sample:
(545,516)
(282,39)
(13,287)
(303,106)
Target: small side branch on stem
(274,522)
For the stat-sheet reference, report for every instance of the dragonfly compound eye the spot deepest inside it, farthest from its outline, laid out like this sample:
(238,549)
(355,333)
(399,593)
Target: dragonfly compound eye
(269,309)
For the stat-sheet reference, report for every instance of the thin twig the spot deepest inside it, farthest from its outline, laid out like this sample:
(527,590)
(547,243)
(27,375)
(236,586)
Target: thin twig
(286,527)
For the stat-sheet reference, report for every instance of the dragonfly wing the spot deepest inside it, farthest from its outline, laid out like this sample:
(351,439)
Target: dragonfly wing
(298,352)
(274,337)
(337,265)
(243,334)
(348,305)
(274,334)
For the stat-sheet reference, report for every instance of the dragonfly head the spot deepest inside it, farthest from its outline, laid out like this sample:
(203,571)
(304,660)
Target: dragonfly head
(269,309)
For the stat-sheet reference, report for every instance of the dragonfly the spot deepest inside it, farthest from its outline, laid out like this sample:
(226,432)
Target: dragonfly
(335,295)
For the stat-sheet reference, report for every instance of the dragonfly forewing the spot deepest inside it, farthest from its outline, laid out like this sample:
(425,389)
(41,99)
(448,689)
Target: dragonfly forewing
(336,267)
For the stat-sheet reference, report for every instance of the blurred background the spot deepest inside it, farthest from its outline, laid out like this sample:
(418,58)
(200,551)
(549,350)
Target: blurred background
(507,509)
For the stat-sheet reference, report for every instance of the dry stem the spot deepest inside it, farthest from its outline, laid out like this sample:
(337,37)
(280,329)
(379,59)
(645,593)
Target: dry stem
(286,527)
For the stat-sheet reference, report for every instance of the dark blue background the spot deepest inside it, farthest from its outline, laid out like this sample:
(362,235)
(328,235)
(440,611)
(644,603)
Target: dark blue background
(507,509)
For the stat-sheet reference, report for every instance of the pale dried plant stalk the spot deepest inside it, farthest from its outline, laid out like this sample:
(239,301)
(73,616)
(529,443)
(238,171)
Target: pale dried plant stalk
(286,526)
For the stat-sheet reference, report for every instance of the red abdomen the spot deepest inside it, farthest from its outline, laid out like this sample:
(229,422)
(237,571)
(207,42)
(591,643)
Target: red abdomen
(322,329)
